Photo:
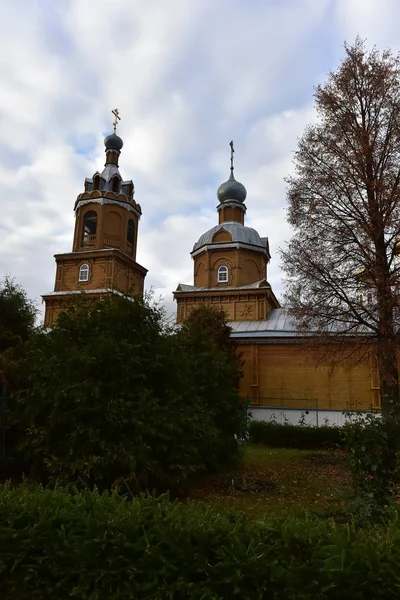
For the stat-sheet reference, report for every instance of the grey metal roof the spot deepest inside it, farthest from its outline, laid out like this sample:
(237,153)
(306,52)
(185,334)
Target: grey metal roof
(251,286)
(278,324)
(239,233)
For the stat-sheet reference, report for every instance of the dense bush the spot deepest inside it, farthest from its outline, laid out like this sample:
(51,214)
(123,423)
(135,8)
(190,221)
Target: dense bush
(275,435)
(86,545)
(111,394)
(373,447)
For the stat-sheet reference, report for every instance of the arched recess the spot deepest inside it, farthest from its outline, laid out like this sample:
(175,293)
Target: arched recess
(112,229)
(130,236)
(222,236)
(89,228)
(200,275)
(249,273)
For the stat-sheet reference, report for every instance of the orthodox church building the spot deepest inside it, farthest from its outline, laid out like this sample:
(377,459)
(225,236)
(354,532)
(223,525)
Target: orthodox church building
(279,377)
(103,256)
(230,263)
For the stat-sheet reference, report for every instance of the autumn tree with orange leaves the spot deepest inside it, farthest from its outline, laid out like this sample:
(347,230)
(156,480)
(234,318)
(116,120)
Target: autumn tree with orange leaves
(341,265)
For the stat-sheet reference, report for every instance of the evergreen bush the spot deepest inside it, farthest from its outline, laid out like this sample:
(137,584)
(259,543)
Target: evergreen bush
(275,435)
(112,394)
(90,545)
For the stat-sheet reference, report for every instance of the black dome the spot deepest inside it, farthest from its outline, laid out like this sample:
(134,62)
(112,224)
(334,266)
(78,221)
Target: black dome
(231,190)
(113,142)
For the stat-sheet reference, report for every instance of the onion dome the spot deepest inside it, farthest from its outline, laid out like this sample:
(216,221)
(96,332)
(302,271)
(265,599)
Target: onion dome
(113,142)
(231,190)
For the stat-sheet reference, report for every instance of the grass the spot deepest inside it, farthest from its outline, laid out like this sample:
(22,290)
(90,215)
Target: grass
(278,481)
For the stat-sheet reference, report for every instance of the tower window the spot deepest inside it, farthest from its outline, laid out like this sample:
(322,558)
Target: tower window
(89,228)
(96,182)
(222,274)
(130,235)
(84,273)
(115,184)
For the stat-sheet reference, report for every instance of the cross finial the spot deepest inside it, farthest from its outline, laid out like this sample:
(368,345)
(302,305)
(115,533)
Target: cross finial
(116,119)
(232,151)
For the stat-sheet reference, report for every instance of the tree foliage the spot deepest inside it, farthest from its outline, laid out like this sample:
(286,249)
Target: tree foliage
(111,394)
(344,205)
(17,314)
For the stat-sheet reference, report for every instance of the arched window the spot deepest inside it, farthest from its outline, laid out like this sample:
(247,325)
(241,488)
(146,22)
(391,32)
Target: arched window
(130,235)
(89,228)
(115,184)
(222,274)
(84,273)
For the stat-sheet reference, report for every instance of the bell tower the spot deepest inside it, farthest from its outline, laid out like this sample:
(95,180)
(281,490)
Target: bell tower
(103,257)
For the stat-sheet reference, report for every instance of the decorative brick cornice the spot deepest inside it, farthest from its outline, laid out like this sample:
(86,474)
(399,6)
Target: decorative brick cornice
(103,253)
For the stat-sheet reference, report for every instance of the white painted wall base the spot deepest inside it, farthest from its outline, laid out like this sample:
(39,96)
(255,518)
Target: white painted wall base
(294,415)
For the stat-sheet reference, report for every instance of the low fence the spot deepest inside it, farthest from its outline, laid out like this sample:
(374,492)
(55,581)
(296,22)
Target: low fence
(295,411)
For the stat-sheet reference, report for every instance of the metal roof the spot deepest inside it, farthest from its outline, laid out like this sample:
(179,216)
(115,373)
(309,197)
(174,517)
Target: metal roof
(278,324)
(183,287)
(239,233)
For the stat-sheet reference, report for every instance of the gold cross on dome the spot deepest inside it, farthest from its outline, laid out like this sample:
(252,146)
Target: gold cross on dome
(116,119)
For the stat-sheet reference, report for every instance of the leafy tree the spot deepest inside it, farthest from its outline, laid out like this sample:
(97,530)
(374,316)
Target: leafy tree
(112,394)
(214,369)
(17,314)
(344,205)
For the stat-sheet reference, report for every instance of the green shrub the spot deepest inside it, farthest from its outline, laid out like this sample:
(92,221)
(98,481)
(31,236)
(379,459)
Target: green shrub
(373,445)
(86,545)
(270,433)
(111,394)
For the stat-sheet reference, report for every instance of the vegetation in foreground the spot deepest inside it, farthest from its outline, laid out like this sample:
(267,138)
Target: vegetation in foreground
(89,545)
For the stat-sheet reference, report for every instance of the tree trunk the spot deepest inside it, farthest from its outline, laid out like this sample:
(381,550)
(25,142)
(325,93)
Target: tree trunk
(388,375)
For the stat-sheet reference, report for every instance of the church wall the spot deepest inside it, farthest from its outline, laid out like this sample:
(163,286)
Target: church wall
(276,373)
(219,258)
(201,273)
(252,267)
(241,306)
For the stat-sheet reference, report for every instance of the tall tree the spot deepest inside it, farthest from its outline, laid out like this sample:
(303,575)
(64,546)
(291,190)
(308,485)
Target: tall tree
(344,205)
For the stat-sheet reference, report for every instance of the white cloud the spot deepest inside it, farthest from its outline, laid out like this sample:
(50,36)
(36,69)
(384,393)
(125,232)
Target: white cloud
(187,77)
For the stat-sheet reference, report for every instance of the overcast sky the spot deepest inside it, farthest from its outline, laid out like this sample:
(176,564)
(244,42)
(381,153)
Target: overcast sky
(187,77)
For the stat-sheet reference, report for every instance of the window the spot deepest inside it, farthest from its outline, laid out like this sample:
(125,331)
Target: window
(84,273)
(115,184)
(130,234)
(222,274)
(96,182)
(89,228)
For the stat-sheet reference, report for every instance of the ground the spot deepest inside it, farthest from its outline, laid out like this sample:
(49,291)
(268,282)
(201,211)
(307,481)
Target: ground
(279,481)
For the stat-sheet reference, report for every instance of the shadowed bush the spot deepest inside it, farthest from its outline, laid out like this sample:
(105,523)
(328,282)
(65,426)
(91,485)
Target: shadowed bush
(270,433)
(86,545)
(113,394)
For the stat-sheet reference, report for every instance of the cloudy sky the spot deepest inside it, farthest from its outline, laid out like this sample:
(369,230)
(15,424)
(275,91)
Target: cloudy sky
(187,77)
